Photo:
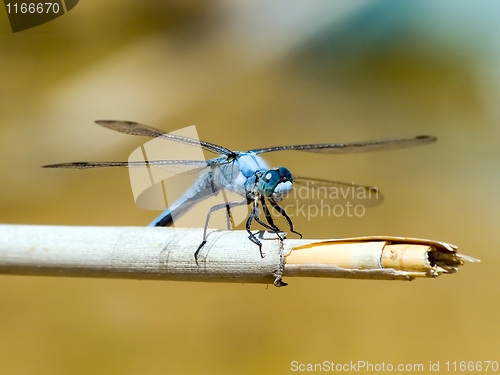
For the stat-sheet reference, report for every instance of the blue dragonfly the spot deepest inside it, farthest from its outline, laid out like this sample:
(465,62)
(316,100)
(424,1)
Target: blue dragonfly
(242,172)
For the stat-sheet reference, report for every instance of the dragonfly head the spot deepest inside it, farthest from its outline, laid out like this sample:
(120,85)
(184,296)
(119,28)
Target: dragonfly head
(275,183)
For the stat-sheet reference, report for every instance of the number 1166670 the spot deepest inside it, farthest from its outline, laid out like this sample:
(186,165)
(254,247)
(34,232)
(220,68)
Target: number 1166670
(471,366)
(31,8)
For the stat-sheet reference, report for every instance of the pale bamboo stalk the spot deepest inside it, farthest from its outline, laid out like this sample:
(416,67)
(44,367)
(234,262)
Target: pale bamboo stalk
(228,256)
(375,257)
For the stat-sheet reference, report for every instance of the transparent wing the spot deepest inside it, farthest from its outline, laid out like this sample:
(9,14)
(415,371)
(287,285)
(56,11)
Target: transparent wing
(352,147)
(172,166)
(312,191)
(134,128)
(311,198)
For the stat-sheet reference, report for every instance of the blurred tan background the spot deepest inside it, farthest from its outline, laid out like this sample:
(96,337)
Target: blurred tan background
(250,75)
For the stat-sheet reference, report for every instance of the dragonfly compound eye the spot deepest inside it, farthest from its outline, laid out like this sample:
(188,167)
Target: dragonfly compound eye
(275,183)
(285,174)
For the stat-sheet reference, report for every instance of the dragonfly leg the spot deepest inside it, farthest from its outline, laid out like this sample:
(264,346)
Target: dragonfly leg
(229,215)
(226,205)
(271,225)
(267,213)
(198,249)
(252,236)
(280,209)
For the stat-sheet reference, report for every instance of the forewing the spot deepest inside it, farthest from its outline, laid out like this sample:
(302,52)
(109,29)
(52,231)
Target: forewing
(134,128)
(353,147)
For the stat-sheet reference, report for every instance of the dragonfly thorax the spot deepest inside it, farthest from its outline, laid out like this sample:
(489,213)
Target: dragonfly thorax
(275,183)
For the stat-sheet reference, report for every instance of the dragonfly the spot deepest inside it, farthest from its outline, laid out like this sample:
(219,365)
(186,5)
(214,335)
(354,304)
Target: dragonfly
(245,173)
